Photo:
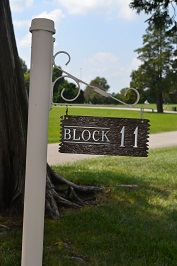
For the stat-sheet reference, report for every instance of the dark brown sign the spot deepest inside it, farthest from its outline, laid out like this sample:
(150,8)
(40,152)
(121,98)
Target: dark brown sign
(104,136)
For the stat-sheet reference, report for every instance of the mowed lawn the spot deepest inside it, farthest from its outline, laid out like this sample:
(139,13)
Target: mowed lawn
(158,122)
(133,223)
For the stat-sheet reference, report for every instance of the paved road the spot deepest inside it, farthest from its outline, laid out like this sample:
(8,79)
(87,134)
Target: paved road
(155,141)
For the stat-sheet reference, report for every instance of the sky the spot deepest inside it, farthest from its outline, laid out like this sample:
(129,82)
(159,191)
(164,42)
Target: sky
(100,35)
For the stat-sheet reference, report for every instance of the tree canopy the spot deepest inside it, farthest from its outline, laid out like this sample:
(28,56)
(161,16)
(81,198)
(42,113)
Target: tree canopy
(70,88)
(158,62)
(92,96)
(160,11)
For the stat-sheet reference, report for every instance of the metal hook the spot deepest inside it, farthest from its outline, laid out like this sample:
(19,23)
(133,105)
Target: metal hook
(62,92)
(137,93)
(142,112)
(96,89)
(62,52)
(71,100)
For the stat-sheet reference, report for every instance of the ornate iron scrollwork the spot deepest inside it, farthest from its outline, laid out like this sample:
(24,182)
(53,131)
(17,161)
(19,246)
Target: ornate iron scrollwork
(79,81)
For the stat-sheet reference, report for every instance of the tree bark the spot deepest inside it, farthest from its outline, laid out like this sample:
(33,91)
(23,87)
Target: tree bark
(13,134)
(159,101)
(13,113)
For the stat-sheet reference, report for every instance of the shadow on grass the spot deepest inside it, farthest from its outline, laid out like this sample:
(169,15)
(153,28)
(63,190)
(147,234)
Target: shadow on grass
(129,226)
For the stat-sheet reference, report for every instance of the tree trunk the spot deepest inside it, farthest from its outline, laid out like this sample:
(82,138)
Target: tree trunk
(159,101)
(13,113)
(13,134)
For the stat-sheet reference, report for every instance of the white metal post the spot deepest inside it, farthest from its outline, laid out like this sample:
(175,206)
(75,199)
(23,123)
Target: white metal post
(36,158)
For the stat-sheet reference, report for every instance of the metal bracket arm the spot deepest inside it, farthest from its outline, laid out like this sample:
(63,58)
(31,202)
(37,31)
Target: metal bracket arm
(94,88)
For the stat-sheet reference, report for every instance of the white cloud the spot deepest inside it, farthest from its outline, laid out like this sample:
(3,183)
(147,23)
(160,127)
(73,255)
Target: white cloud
(56,15)
(103,57)
(25,41)
(124,10)
(135,63)
(22,23)
(20,5)
(102,61)
(109,7)
(107,65)
(78,6)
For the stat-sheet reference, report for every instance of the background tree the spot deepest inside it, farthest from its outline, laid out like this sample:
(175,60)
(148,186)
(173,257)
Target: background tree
(126,95)
(13,132)
(70,92)
(138,80)
(93,97)
(27,81)
(157,57)
(171,94)
(23,66)
(70,89)
(26,73)
(160,11)
(56,73)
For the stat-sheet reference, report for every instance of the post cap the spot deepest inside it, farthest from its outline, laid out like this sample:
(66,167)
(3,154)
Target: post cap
(42,24)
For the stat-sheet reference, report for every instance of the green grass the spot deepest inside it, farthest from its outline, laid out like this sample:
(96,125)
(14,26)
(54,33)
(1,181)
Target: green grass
(159,122)
(128,226)
(166,107)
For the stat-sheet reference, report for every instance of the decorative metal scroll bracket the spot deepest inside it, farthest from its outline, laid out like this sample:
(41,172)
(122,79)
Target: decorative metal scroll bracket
(79,81)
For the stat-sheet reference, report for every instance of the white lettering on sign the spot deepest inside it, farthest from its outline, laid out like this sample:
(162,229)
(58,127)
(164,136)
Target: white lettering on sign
(96,132)
(136,137)
(67,133)
(104,135)
(123,137)
(100,135)
(86,135)
(74,135)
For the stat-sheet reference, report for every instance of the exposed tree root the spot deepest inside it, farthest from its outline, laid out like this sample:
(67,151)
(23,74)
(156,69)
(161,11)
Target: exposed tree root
(64,193)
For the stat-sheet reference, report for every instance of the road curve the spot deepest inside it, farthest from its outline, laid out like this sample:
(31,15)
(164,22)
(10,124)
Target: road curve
(158,140)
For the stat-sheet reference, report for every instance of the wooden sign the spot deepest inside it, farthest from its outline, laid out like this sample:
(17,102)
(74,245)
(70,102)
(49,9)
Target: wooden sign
(104,136)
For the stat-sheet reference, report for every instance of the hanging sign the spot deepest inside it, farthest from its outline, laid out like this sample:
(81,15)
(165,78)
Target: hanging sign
(104,136)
